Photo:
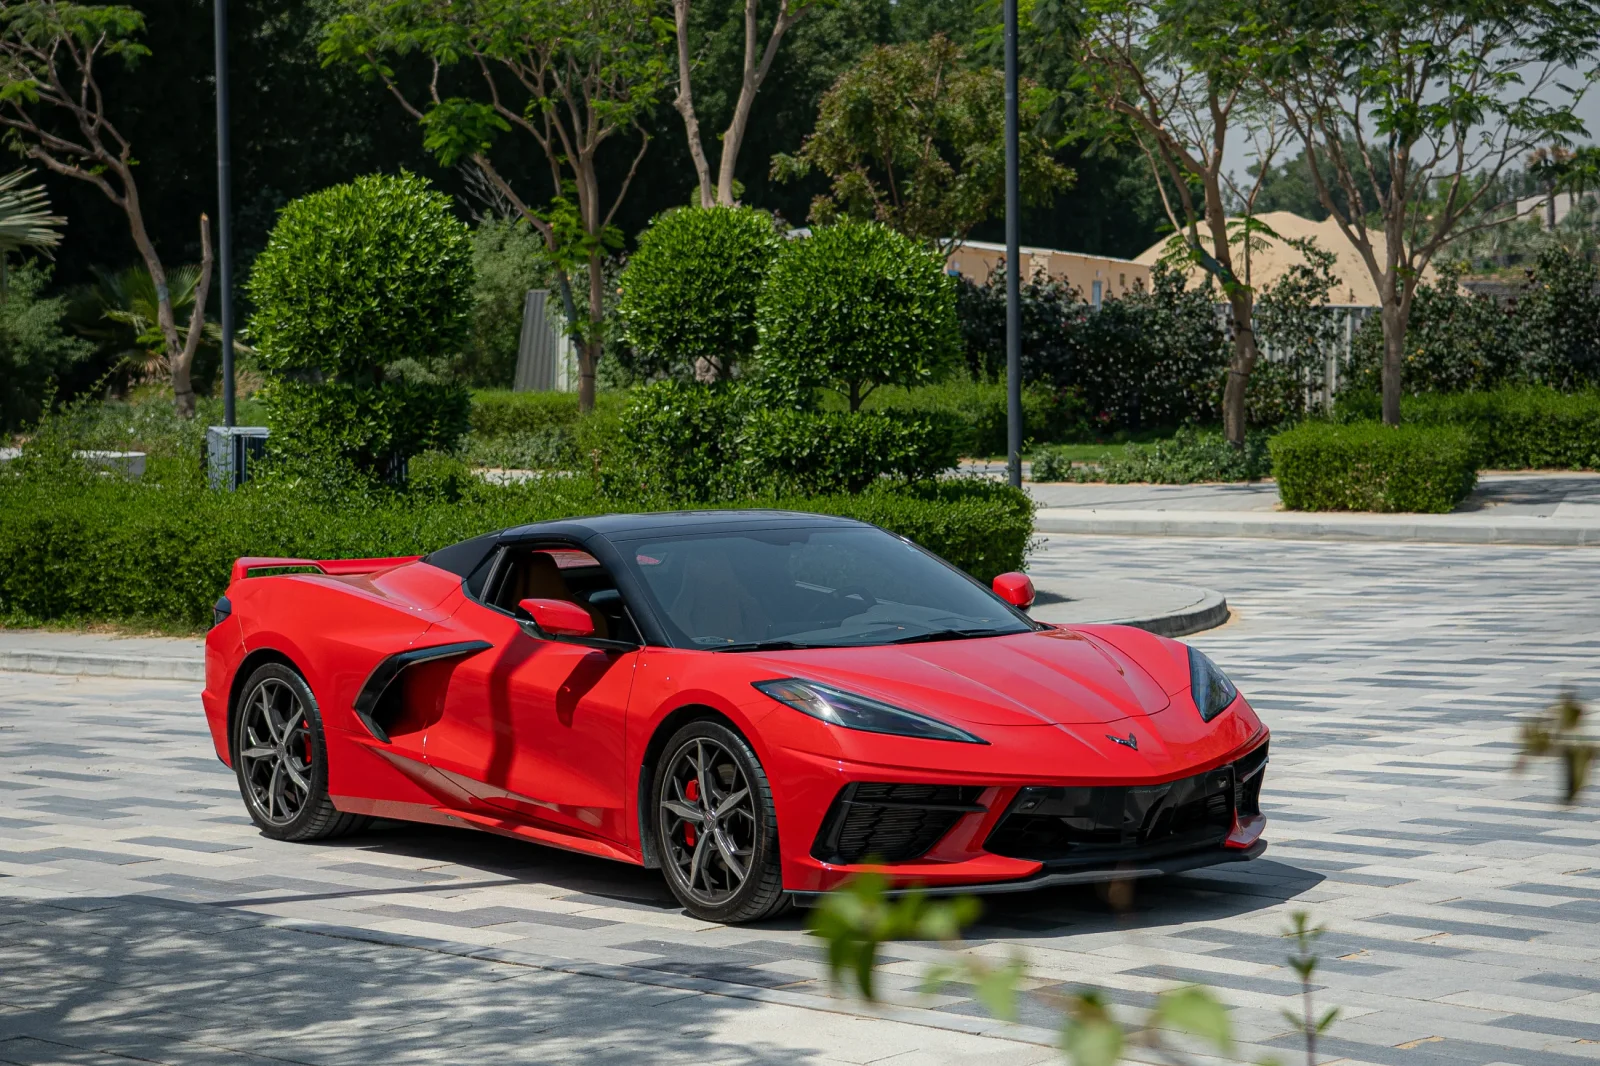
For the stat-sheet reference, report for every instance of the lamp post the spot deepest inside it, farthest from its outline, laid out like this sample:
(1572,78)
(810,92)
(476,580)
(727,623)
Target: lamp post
(224,213)
(1013,261)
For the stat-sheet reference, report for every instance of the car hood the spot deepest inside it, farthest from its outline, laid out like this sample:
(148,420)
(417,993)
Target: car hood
(1051,677)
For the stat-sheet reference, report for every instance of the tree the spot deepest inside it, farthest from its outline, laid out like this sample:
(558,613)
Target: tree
(1167,73)
(911,138)
(689,293)
(362,297)
(573,75)
(753,75)
(854,306)
(1419,106)
(51,103)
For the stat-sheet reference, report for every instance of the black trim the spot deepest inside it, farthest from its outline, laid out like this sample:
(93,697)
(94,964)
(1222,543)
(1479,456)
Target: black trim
(369,699)
(220,611)
(1044,879)
(891,822)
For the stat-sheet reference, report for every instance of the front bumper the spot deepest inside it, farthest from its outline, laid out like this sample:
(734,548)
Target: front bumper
(928,831)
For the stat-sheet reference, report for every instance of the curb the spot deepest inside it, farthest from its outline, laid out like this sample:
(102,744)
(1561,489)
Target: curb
(1209,613)
(1438,529)
(86,664)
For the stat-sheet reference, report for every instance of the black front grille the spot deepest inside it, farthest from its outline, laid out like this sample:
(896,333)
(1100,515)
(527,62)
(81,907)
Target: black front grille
(890,823)
(1115,823)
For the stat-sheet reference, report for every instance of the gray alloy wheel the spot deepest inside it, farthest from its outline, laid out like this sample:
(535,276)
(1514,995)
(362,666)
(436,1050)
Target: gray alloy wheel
(716,826)
(280,758)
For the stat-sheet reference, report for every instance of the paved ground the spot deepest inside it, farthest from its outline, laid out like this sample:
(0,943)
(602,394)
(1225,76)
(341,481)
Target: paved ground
(141,916)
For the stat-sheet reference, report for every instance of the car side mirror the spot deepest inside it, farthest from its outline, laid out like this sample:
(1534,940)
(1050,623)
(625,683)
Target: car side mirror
(559,618)
(1016,589)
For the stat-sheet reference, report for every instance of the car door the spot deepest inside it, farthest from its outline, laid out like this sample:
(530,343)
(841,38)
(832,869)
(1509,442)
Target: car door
(535,726)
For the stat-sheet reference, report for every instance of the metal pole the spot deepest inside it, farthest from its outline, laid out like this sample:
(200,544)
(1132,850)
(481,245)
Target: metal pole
(224,213)
(1013,260)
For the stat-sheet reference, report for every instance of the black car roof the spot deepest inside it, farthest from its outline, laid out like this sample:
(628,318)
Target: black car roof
(464,557)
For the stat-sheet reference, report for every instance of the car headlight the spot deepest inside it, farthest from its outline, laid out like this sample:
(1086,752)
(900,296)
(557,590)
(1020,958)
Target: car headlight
(1213,692)
(849,711)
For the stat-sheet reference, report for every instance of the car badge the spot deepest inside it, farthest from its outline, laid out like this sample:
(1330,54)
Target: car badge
(1130,741)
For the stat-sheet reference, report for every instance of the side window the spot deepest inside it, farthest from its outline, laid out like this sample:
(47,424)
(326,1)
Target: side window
(562,573)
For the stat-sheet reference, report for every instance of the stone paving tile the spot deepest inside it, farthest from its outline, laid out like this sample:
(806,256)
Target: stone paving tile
(142,916)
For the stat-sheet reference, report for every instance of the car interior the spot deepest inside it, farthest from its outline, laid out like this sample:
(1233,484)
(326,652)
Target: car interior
(555,573)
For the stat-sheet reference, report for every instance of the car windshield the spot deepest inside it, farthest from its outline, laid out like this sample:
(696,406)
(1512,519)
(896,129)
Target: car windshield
(818,587)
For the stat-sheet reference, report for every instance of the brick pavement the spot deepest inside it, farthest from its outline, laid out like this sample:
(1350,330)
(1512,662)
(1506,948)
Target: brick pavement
(142,917)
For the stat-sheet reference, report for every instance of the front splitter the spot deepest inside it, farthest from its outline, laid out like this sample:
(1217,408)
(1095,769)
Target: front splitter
(1177,864)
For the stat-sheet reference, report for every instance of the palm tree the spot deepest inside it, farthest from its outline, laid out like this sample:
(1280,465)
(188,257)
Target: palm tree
(119,312)
(25,219)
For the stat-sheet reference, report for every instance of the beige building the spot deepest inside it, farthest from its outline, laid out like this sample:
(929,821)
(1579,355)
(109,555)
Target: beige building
(1098,277)
(1353,282)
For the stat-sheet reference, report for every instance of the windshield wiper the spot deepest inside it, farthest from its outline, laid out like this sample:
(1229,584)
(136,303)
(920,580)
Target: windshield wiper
(950,634)
(766,645)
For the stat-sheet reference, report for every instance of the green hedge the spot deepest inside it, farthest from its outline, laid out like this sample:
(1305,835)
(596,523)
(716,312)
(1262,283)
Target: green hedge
(83,548)
(976,412)
(1511,428)
(502,413)
(1367,466)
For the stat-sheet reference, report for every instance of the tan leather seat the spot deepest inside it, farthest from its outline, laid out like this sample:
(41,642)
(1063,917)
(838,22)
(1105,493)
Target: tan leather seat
(535,576)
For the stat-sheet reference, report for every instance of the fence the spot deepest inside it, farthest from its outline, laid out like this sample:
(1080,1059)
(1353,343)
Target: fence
(1322,385)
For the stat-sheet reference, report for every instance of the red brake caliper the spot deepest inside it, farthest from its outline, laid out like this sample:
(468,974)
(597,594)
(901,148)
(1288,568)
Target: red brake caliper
(691,792)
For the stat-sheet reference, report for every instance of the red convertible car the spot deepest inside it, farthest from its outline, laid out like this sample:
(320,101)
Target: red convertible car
(759,703)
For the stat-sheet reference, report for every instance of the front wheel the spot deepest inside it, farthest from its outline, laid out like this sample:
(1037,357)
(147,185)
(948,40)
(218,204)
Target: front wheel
(717,827)
(281,759)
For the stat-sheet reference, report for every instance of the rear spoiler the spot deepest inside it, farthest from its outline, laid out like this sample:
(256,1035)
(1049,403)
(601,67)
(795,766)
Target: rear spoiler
(335,567)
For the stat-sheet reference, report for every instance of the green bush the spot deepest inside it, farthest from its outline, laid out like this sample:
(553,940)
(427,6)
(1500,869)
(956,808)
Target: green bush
(852,307)
(688,303)
(1511,428)
(976,412)
(1189,456)
(79,547)
(362,297)
(706,443)
(1367,466)
(501,413)
(34,349)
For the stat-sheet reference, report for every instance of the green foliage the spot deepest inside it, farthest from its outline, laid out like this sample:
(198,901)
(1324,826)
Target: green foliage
(362,296)
(976,412)
(1367,466)
(1559,733)
(1297,332)
(688,304)
(34,350)
(1455,342)
(1189,456)
(914,138)
(852,307)
(1147,359)
(698,442)
(858,917)
(508,259)
(77,546)
(1511,428)
(118,313)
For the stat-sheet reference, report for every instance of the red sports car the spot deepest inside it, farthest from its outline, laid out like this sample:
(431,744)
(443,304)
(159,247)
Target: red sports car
(759,703)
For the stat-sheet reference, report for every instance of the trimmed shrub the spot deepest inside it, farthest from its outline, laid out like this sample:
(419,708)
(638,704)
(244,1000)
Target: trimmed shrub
(976,412)
(688,303)
(809,452)
(1367,466)
(717,442)
(1190,456)
(362,297)
(501,413)
(852,307)
(1511,428)
(75,546)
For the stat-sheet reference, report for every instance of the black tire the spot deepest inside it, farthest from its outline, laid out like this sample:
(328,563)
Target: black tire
(280,758)
(747,833)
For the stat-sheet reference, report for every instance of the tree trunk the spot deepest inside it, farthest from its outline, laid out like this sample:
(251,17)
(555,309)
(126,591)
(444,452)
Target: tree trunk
(1394,339)
(165,319)
(589,351)
(1235,413)
(684,102)
(183,363)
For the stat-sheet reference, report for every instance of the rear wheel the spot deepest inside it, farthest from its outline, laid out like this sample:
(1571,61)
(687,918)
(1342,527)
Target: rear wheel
(717,827)
(281,759)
